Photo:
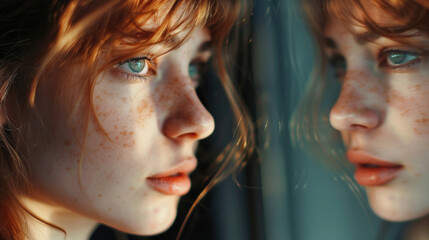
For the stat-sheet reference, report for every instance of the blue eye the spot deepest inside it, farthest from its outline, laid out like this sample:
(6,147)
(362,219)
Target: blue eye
(135,66)
(397,58)
(193,71)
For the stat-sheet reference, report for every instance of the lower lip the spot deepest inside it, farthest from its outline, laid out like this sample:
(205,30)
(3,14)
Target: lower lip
(171,185)
(377,176)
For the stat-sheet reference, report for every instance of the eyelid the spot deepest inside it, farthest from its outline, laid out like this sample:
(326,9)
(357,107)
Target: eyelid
(383,55)
(152,69)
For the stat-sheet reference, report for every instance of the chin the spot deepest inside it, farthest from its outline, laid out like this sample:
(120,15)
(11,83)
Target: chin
(395,209)
(153,222)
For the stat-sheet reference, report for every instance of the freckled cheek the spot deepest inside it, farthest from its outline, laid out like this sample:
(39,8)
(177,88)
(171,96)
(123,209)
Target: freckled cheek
(122,118)
(414,108)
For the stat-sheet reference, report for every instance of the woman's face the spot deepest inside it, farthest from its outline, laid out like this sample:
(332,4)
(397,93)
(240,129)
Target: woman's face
(140,142)
(382,114)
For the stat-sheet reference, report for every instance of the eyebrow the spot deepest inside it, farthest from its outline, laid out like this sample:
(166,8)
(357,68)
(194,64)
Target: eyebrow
(172,41)
(367,36)
(330,43)
(205,46)
(361,38)
(175,40)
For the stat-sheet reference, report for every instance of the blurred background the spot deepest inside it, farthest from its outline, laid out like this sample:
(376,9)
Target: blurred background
(282,193)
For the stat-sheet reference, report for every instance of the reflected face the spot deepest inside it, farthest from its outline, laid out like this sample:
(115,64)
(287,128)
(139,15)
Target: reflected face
(139,147)
(382,114)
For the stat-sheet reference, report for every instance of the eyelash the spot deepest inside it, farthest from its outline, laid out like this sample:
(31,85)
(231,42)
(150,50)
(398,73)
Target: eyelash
(152,69)
(383,60)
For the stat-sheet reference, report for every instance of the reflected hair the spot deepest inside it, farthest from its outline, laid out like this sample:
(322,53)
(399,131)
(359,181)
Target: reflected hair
(41,38)
(309,126)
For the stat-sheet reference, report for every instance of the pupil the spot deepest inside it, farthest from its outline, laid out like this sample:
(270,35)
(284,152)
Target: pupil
(397,58)
(137,66)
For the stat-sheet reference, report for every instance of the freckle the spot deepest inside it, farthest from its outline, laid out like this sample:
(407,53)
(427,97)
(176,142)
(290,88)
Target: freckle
(124,99)
(422,120)
(116,126)
(404,181)
(404,113)
(110,209)
(117,137)
(67,143)
(417,174)
(140,109)
(132,188)
(130,133)
(100,195)
(123,133)
(68,168)
(119,197)
(417,131)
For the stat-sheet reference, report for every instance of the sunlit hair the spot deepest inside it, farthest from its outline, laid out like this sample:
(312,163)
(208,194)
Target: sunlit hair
(41,39)
(309,125)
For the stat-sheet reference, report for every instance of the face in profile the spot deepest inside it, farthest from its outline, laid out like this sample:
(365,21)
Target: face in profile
(382,112)
(130,166)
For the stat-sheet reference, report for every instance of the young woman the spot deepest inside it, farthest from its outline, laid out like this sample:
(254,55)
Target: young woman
(377,50)
(99,114)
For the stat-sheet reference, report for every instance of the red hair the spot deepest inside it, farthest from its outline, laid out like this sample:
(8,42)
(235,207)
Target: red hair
(41,37)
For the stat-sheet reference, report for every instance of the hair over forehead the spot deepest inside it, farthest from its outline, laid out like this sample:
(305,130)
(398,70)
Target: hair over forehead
(86,29)
(409,14)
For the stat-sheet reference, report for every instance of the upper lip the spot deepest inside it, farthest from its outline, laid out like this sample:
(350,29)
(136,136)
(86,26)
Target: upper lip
(185,166)
(360,158)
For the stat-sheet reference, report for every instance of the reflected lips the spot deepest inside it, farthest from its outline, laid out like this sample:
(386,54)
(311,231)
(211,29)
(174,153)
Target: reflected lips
(371,171)
(175,181)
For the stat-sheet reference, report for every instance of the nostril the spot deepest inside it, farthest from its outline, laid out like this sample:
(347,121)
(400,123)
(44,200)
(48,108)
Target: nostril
(193,136)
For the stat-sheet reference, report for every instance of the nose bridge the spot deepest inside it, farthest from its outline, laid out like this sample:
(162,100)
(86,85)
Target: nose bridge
(187,118)
(359,102)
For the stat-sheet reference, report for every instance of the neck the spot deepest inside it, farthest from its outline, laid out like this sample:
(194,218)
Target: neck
(52,222)
(418,230)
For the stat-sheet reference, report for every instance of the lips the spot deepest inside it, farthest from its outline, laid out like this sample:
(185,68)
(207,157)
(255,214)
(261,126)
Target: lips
(371,171)
(175,181)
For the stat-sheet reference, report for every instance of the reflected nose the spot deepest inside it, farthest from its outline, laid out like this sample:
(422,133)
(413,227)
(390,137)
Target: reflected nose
(188,118)
(356,108)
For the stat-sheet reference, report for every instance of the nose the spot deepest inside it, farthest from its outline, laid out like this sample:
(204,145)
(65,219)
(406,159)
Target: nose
(356,108)
(188,118)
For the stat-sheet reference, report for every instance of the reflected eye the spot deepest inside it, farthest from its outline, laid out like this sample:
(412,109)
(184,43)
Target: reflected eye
(396,57)
(399,60)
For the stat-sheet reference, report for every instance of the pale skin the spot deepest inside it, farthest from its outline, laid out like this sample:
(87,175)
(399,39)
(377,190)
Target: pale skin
(383,110)
(152,124)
